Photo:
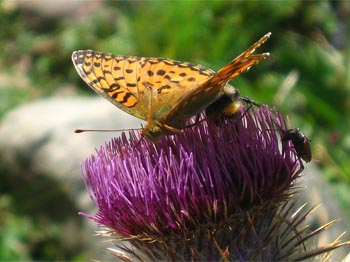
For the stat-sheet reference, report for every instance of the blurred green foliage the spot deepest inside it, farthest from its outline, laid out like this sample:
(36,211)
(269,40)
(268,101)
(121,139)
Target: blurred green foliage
(35,215)
(306,76)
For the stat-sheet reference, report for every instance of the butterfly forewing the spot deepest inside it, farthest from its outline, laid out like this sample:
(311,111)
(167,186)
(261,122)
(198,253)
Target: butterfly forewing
(139,86)
(107,75)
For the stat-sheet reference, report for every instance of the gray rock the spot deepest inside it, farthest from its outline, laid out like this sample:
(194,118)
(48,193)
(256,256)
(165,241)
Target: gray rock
(39,148)
(38,137)
(52,8)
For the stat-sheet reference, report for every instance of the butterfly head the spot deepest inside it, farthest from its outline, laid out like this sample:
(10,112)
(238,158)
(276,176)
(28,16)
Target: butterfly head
(152,131)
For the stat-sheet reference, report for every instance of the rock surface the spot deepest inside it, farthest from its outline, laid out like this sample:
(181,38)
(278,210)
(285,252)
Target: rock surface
(42,157)
(52,8)
(38,137)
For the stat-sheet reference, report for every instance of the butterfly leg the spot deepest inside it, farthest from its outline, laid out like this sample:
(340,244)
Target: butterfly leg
(171,129)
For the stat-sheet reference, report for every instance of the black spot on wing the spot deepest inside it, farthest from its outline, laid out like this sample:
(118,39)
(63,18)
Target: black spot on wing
(162,88)
(118,78)
(160,72)
(191,79)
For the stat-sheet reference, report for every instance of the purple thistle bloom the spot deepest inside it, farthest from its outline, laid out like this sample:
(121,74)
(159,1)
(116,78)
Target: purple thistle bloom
(208,193)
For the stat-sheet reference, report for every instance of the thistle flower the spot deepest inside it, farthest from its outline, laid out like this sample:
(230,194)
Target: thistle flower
(216,191)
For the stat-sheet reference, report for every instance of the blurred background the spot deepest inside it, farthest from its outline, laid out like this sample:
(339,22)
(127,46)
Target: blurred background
(42,98)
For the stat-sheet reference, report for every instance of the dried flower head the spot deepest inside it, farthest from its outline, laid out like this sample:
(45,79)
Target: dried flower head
(215,191)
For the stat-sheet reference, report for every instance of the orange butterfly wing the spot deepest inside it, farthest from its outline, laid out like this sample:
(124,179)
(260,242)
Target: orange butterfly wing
(139,86)
(207,93)
(162,91)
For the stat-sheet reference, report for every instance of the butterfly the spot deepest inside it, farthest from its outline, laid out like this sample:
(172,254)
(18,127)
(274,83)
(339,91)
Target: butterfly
(300,142)
(164,92)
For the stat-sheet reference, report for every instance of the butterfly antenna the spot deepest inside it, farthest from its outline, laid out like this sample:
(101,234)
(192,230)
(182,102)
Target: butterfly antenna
(78,131)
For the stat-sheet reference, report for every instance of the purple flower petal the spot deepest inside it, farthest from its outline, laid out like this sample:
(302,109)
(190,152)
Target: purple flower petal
(205,173)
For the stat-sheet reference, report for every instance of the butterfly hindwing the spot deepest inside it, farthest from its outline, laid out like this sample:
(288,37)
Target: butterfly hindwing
(170,80)
(211,90)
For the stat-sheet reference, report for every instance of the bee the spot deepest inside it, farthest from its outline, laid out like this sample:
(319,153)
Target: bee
(228,105)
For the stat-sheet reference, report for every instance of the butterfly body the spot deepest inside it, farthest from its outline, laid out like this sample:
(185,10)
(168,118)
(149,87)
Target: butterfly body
(164,92)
